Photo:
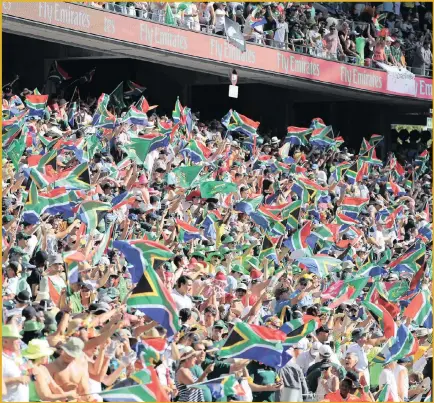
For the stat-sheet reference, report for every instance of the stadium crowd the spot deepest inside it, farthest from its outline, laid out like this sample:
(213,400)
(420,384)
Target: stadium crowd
(162,258)
(395,33)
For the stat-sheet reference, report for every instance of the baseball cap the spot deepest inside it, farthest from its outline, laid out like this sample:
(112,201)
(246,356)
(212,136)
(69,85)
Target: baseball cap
(314,350)
(325,351)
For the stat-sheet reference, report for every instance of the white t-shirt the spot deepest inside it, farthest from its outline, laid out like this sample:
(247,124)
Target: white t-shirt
(305,360)
(31,245)
(396,372)
(17,392)
(387,378)
(181,301)
(219,20)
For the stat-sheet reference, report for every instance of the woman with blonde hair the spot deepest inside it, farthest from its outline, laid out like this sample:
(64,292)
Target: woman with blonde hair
(184,377)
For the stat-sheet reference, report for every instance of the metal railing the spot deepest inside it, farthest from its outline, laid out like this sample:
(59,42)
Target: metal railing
(315,51)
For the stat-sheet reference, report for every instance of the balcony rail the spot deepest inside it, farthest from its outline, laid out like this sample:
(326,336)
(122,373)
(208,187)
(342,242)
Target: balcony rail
(290,45)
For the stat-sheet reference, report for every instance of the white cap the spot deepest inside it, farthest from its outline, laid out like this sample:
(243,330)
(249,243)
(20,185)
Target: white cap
(314,350)
(325,351)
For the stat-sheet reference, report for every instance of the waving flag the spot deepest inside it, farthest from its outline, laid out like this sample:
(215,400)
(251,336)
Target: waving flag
(268,250)
(375,139)
(300,332)
(320,137)
(179,115)
(318,265)
(353,204)
(186,175)
(298,240)
(221,387)
(143,105)
(385,394)
(411,258)
(76,178)
(196,151)
(247,206)
(135,116)
(151,297)
(212,188)
(56,201)
(58,74)
(383,318)
(420,309)
(317,123)
(371,157)
(134,89)
(264,217)
(136,388)
(142,253)
(290,214)
(254,342)
(403,345)
(72,258)
(36,104)
(342,218)
(242,124)
(187,232)
(297,135)
(92,212)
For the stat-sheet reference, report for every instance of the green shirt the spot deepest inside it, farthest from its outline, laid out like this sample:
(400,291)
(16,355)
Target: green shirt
(197,371)
(220,368)
(396,53)
(75,299)
(262,375)
(360,49)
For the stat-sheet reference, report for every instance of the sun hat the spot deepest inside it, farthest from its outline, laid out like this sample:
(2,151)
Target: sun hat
(241,286)
(32,326)
(228,239)
(10,331)
(73,347)
(238,269)
(38,348)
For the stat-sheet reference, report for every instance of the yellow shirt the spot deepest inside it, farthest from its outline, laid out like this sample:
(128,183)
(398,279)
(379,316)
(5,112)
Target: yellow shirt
(420,352)
(220,230)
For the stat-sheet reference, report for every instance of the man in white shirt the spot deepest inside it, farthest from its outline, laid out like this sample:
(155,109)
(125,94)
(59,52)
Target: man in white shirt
(13,367)
(181,294)
(359,337)
(307,358)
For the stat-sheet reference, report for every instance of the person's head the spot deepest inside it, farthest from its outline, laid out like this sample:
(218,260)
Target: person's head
(38,351)
(14,269)
(71,350)
(188,358)
(322,334)
(11,339)
(241,290)
(282,294)
(218,330)
(184,314)
(56,264)
(210,315)
(345,388)
(359,336)
(201,349)
(351,360)
(302,284)
(184,285)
